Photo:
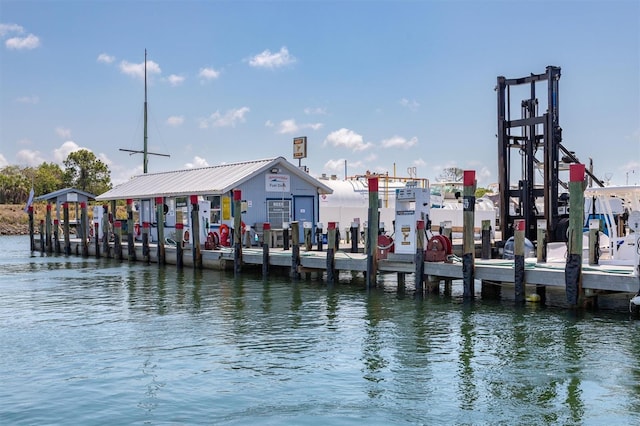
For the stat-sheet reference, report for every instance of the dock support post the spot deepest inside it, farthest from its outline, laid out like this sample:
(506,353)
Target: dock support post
(56,236)
(65,229)
(419,258)
(237,231)
(319,235)
(468,244)
(354,236)
(195,232)
(32,241)
(96,240)
(179,248)
(41,232)
(83,227)
(266,229)
(160,221)
(308,245)
(486,239)
(117,239)
(573,268)
(145,243)
(372,233)
(541,241)
(48,245)
(131,249)
(594,243)
(331,252)
(518,261)
(295,249)
(106,231)
(285,236)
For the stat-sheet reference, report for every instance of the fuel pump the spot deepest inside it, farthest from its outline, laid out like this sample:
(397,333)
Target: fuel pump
(412,204)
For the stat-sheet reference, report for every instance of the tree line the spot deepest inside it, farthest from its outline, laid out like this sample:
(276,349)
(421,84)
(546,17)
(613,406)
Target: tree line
(82,170)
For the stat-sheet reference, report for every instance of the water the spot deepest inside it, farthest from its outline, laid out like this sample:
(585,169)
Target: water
(87,341)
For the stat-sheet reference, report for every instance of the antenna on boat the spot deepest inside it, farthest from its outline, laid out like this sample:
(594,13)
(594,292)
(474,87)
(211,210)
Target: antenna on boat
(145,152)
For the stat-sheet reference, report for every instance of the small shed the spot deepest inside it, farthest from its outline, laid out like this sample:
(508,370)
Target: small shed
(73,196)
(273,190)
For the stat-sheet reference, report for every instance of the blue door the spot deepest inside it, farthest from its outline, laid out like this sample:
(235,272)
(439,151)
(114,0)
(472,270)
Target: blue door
(303,212)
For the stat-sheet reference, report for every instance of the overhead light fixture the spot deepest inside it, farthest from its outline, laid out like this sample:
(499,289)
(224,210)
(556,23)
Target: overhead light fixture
(274,170)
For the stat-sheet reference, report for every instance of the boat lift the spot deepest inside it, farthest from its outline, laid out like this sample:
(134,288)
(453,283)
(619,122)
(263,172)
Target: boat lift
(534,142)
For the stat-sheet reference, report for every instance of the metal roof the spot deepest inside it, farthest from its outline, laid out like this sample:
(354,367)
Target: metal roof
(63,192)
(203,181)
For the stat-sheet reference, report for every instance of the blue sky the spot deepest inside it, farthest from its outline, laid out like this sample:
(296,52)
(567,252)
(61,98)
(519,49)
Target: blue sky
(377,84)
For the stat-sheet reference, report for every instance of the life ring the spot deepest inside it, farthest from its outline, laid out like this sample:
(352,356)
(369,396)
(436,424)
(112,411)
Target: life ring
(136,229)
(185,237)
(224,235)
(214,238)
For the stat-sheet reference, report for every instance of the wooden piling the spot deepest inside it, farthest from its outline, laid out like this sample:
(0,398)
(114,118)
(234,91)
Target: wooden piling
(237,231)
(146,258)
(65,229)
(32,241)
(117,239)
(160,221)
(266,229)
(106,231)
(195,232)
(285,236)
(419,258)
(295,250)
(84,226)
(541,241)
(41,232)
(518,260)
(319,235)
(179,248)
(48,233)
(331,252)
(372,232)
(96,240)
(307,238)
(468,244)
(56,236)
(131,249)
(594,241)
(486,239)
(354,236)
(573,268)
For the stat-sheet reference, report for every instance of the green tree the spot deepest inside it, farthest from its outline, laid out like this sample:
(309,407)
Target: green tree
(48,177)
(86,172)
(451,174)
(481,191)
(14,185)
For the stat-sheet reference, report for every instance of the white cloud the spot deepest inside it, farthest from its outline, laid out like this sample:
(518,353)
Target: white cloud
(63,133)
(315,111)
(61,154)
(419,162)
(208,74)
(412,105)
(269,123)
(399,142)
(10,28)
(197,162)
(228,119)
(175,120)
(19,43)
(28,100)
(3,161)
(30,157)
(266,59)
(334,165)
(290,126)
(106,59)
(175,80)
(137,70)
(348,139)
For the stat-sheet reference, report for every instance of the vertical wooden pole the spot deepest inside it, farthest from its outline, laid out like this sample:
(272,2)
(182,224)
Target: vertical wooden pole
(419,258)
(486,239)
(84,227)
(372,232)
(468,244)
(266,229)
(295,249)
(96,240)
(319,235)
(573,268)
(32,240)
(145,242)
(117,239)
(541,256)
(195,233)
(56,236)
(106,231)
(331,252)
(41,232)
(131,248)
(285,236)
(48,229)
(594,232)
(307,238)
(518,260)
(160,221)
(179,250)
(237,231)
(65,229)
(354,236)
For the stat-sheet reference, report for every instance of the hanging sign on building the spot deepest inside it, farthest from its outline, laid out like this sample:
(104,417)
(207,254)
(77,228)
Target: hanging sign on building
(300,147)
(277,183)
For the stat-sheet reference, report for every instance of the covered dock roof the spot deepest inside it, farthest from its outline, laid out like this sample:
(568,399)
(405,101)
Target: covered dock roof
(66,195)
(214,180)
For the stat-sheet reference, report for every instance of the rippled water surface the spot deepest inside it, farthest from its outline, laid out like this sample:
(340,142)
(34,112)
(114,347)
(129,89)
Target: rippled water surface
(87,341)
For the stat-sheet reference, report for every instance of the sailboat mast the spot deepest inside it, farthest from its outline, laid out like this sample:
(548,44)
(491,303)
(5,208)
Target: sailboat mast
(145,159)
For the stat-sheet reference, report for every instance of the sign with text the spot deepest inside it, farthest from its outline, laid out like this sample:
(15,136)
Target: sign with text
(300,147)
(277,183)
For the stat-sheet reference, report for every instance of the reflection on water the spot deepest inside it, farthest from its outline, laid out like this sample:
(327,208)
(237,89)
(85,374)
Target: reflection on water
(97,341)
